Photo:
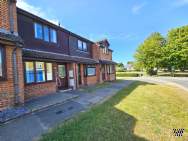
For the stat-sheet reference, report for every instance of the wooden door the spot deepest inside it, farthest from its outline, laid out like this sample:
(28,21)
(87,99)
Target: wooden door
(62,76)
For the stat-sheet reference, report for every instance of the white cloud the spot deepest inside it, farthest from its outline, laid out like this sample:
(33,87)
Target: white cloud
(180,3)
(137,8)
(23,4)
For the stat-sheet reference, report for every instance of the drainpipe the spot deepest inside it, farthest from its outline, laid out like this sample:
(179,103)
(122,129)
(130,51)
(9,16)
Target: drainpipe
(15,76)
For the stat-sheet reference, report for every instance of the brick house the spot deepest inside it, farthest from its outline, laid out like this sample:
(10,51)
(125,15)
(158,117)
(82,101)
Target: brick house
(39,58)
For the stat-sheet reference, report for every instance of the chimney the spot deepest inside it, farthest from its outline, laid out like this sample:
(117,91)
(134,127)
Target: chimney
(8,17)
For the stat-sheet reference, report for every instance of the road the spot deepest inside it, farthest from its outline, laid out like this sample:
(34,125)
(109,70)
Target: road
(179,82)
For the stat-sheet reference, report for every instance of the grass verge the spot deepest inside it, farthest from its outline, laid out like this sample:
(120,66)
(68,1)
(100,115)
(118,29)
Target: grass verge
(141,112)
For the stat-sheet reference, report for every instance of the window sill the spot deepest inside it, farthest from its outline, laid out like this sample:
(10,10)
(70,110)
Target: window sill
(47,42)
(37,83)
(82,51)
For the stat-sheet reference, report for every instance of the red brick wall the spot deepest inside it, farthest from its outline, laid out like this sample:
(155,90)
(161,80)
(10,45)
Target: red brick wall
(91,80)
(95,52)
(105,56)
(4,15)
(36,90)
(7,86)
(41,89)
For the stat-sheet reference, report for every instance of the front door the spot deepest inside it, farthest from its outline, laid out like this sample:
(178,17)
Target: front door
(62,77)
(103,73)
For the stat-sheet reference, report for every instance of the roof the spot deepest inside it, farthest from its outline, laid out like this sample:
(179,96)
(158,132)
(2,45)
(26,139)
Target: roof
(11,38)
(107,62)
(30,54)
(103,41)
(28,14)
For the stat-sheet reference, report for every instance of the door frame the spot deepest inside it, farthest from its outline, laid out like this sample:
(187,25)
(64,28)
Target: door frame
(66,77)
(79,75)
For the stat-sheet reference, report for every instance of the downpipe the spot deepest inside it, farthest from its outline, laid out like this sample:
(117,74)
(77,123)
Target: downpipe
(15,76)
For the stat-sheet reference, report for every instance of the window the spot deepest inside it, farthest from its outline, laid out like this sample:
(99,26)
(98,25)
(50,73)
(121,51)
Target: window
(29,68)
(82,46)
(53,35)
(38,31)
(90,70)
(46,33)
(49,71)
(1,63)
(62,71)
(79,44)
(37,72)
(40,72)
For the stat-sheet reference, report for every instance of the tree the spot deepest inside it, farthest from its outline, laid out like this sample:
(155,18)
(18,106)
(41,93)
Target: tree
(149,54)
(177,48)
(120,67)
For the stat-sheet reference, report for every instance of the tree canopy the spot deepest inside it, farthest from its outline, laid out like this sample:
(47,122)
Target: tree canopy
(149,53)
(157,52)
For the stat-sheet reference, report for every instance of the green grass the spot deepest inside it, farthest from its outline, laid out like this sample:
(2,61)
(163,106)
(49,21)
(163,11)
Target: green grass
(176,74)
(129,74)
(141,112)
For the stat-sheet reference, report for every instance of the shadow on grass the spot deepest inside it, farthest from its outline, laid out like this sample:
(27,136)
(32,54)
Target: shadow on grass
(129,121)
(102,123)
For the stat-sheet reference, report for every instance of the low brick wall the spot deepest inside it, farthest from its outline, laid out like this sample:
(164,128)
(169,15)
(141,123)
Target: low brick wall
(36,90)
(92,80)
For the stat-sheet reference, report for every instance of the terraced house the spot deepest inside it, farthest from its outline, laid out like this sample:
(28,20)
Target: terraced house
(39,58)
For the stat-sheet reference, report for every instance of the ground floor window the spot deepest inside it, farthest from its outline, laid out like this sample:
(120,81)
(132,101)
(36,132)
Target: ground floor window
(2,67)
(90,70)
(37,72)
(40,72)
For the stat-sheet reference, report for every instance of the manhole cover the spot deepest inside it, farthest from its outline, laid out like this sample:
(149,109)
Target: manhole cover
(59,112)
(70,108)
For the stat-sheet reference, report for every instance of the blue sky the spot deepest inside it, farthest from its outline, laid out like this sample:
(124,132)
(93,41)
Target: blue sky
(126,23)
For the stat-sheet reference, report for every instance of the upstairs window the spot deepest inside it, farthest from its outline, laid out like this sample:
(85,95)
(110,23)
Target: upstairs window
(79,44)
(82,46)
(46,34)
(53,36)
(38,31)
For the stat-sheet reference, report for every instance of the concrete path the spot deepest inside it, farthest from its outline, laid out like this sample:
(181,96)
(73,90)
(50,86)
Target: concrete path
(31,127)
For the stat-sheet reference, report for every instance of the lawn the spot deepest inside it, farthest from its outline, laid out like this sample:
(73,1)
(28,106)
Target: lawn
(130,74)
(141,112)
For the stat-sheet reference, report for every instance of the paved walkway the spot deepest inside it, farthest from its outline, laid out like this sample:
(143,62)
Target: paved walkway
(31,127)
